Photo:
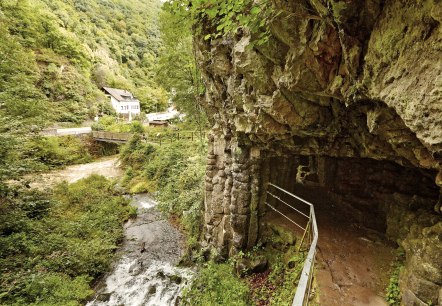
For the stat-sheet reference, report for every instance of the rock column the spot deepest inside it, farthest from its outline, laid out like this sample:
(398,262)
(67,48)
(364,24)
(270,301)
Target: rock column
(232,195)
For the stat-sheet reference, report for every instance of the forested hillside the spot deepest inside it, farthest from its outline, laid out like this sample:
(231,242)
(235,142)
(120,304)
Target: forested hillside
(55,55)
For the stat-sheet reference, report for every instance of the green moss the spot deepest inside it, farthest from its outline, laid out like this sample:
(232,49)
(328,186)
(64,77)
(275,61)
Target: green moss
(338,8)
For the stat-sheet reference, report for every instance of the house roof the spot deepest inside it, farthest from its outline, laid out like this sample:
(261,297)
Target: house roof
(120,94)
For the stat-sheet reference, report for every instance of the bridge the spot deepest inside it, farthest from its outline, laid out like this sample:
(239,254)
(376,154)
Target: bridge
(114,137)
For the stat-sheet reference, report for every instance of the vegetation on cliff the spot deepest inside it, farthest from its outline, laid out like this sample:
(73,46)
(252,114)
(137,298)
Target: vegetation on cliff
(216,18)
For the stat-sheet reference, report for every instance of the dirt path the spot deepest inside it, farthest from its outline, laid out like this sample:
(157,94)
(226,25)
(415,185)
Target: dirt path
(352,263)
(107,167)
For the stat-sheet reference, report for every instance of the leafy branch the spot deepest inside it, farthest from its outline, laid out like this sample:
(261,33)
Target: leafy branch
(217,18)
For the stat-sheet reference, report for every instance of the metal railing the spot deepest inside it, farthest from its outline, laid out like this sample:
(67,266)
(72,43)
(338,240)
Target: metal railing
(310,235)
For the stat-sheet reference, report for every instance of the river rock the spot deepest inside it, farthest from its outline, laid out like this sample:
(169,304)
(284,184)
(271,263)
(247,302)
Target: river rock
(136,268)
(245,266)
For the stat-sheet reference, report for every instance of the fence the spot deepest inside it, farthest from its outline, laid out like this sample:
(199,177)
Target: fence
(161,138)
(310,237)
(158,138)
(111,136)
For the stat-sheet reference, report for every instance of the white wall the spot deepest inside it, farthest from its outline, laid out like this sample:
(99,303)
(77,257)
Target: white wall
(125,107)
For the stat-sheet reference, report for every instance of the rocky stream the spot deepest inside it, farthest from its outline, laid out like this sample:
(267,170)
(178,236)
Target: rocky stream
(145,272)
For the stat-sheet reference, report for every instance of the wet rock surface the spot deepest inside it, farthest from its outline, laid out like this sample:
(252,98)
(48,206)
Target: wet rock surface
(146,272)
(345,79)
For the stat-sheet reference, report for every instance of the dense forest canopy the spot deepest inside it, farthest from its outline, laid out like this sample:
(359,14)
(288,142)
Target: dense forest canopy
(56,55)
(61,52)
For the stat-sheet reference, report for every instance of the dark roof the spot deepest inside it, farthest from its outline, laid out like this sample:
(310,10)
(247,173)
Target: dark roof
(120,94)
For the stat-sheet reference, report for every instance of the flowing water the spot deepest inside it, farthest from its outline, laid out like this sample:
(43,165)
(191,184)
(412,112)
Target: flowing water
(146,273)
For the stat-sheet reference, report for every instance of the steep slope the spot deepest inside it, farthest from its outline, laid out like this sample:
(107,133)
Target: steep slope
(70,49)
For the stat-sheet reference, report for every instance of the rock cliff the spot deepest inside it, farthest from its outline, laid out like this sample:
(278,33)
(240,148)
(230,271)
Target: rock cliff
(347,85)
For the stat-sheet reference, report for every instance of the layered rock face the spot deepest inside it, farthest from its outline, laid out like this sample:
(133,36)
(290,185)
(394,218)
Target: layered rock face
(358,83)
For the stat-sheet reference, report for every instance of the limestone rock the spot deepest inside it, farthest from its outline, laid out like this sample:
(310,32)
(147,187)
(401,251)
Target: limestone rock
(358,81)
(245,266)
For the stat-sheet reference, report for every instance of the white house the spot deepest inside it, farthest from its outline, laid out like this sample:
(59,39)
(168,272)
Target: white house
(123,101)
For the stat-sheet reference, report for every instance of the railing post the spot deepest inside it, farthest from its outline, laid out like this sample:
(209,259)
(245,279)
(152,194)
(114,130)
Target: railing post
(310,234)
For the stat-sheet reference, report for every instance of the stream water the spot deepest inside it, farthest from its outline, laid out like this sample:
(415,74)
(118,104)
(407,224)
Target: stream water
(146,273)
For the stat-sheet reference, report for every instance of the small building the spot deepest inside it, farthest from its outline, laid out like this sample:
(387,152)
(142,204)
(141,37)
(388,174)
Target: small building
(164,118)
(123,102)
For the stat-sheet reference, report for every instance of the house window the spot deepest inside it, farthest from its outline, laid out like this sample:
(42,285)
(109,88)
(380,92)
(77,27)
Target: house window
(121,107)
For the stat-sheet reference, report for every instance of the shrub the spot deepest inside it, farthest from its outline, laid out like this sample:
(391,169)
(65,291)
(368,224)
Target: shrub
(55,243)
(54,152)
(393,293)
(175,172)
(216,284)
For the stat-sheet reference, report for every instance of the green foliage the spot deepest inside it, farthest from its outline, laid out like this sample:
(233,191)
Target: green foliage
(284,277)
(152,99)
(216,284)
(393,292)
(55,244)
(277,285)
(113,124)
(175,172)
(217,18)
(177,69)
(55,50)
(55,152)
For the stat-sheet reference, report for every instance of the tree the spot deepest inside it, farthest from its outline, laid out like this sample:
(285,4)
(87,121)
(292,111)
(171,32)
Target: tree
(152,99)
(177,70)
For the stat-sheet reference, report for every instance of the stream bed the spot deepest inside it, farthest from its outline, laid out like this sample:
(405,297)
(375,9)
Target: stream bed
(146,272)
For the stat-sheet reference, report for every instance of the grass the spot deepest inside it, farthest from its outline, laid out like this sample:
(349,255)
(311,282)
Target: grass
(216,284)
(393,292)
